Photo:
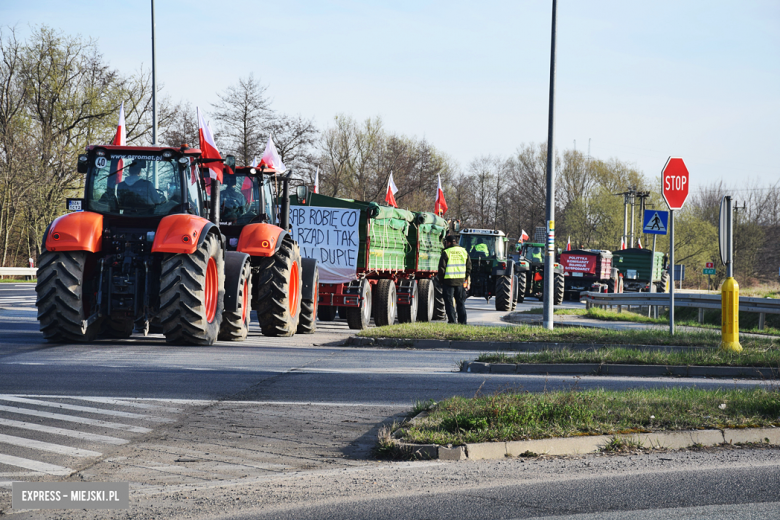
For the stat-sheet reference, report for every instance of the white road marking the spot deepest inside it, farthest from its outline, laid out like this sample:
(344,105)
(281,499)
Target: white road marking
(47,446)
(69,418)
(86,409)
(105,439)
(41,467)
(122,402)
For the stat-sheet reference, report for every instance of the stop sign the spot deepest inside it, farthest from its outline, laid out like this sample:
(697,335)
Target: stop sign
(674,181)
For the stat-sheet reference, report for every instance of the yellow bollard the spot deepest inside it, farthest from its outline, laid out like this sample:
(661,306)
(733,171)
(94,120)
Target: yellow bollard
(729,312)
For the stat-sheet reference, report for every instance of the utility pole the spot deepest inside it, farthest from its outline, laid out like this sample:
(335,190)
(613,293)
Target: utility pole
(549,259)
(154,86)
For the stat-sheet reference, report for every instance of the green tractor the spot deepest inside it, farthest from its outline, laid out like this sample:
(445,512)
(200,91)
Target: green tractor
(492,273)
(533,253)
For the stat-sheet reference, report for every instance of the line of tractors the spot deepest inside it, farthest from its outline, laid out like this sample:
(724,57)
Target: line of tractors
(157,244)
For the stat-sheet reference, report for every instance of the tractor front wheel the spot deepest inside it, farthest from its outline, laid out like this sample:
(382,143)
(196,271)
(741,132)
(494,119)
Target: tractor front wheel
(235,324)
(308,324)
(504,293)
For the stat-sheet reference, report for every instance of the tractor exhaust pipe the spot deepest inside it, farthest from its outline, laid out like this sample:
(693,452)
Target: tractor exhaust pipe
(284,218)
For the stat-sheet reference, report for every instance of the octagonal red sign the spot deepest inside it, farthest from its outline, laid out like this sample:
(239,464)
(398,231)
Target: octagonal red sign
(674,183)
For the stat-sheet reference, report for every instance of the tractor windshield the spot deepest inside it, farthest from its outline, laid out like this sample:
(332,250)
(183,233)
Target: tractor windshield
(533,252)
(135,185)
(483,246)
(245,199)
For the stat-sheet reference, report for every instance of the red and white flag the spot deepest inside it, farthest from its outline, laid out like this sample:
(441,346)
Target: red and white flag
(440,206)
(639,243)
(254,163)
(208,148)
(317,181)
(524,236)
(622,243)
(392,189)
(568,244)
(271,158)
(120,139)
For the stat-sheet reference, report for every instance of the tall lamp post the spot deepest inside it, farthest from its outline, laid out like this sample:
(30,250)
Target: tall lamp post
(549,259)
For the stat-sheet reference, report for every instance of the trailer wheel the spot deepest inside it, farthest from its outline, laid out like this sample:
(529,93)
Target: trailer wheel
(387,303)
(65,294)
(439,310)
(521,286)
(235,324)
(558,288)
(408,313)
(278,293)
(307,324)
(427,300)
(663,285)
(611,285)
(326,313)
(504,293)
(192,294)
(358,318)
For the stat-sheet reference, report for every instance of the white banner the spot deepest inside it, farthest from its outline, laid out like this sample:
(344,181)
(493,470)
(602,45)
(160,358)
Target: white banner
(329,235)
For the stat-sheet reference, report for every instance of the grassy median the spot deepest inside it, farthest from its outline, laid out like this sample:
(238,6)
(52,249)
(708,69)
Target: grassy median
(523,416)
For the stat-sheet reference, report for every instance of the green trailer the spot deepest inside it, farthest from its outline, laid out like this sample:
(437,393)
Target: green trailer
(397,258)
(641,269)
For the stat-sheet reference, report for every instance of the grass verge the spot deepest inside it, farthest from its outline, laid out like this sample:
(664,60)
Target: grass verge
(523,416)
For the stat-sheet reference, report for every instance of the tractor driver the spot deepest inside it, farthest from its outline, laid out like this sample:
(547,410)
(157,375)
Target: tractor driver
(136,195)
(232,201)
(480,247)
(536,254)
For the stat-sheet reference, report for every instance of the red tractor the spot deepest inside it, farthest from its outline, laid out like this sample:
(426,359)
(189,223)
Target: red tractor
(141,250)
(284,286)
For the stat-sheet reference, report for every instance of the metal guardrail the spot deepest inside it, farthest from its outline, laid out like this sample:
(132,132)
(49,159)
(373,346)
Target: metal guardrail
(762,306)
(18,271)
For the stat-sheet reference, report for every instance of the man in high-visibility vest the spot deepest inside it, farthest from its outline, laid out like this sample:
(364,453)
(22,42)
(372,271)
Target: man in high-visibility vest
(454,273)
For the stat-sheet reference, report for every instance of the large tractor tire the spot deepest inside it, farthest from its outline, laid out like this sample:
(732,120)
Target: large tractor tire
(408,313)
(387,303)
(663,285)
(427,295)
(504,293)
(358,318)
(308,322)
(439,310)
(521,279)
(66,291)
(558,288)
(514,292)
(192,294)
(278,291)
(235,324)
(326,313)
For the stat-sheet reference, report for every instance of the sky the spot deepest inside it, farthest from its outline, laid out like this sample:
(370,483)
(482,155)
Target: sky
(635,81)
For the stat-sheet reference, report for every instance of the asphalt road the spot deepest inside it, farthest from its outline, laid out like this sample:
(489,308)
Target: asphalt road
(283,428)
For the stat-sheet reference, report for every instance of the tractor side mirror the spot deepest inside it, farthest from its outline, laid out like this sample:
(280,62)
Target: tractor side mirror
(230,160)
(82,166)
(302,192)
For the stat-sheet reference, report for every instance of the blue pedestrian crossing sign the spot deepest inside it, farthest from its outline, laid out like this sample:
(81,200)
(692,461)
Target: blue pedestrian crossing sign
(655,222)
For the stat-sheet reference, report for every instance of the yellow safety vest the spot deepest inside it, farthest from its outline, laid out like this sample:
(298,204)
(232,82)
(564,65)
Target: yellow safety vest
(456,262)
(481,248)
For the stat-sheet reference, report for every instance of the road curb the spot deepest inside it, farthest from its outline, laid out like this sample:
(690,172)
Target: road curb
(604,369)
(493,346)
(592,444)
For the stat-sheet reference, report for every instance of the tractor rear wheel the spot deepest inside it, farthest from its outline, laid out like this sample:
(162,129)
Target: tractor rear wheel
(439,310)
(408,313)
(308,322)
(192,294)
(358,318)
(65,295)
(278,290)
(521,287)
(427,301)
(235,324)
(387,303)
(558,288)
(504,293)
(326,313)
(514,292)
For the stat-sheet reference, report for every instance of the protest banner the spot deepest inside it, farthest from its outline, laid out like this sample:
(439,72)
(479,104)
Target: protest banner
(329,235)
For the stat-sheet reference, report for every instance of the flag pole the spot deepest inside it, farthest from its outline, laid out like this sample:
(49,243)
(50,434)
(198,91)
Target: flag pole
(154,86)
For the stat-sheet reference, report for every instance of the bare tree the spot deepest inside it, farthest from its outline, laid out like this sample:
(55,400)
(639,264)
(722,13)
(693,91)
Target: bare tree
(242,114)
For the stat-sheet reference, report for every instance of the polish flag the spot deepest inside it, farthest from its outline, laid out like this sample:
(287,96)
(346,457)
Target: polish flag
(271,159)
(440,206)
(639,242)
(524,236)
(317,181)
(622,243)
(120,139)
(392,189)
(568,244)
(208,148)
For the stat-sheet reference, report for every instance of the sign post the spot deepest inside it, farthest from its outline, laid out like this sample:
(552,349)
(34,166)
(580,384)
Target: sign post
(729,292)
(654,223)
(674,183)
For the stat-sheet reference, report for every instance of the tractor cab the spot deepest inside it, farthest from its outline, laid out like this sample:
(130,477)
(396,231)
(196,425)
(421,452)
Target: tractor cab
(483,244)
(533,252)
(142,182)
(246,197)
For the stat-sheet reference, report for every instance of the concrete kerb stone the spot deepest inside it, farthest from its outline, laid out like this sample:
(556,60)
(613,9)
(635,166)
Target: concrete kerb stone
(593,444)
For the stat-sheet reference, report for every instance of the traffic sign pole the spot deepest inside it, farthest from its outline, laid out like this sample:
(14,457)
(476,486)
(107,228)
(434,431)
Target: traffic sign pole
(671,264)
(674,188)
